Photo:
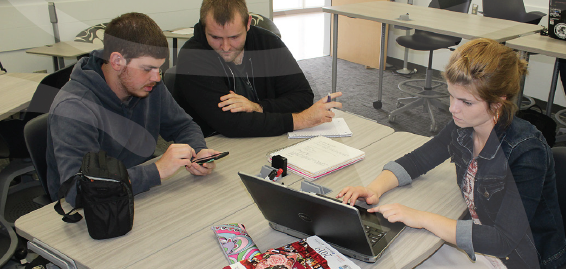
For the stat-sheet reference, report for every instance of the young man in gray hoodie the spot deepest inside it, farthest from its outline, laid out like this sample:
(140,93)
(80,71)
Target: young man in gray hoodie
(115,101)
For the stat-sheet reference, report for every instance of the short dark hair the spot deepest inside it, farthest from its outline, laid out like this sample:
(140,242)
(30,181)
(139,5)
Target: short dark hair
(223,11)
(134,35)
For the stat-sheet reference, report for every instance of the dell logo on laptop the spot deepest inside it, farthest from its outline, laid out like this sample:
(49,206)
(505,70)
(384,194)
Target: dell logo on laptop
(304,217)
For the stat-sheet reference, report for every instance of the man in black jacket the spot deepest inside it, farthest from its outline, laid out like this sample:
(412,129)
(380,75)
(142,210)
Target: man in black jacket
(241,81)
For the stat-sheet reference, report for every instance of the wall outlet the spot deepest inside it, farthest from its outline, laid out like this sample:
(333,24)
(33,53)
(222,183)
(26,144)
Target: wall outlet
(474,9)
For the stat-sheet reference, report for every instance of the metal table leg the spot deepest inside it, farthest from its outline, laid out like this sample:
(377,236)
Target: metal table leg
(378,104)
(335,44)
(552,88)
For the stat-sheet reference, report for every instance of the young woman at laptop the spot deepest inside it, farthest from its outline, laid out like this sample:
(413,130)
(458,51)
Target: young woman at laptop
(504,167)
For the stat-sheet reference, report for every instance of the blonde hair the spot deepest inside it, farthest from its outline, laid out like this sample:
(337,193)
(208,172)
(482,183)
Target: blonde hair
(490,69)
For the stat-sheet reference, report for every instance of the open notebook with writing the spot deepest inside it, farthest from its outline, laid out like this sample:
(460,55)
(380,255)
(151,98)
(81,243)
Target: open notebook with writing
(318,156)
(336,128)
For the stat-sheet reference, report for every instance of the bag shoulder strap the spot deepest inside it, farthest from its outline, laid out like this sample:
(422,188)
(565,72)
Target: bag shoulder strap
(63,190)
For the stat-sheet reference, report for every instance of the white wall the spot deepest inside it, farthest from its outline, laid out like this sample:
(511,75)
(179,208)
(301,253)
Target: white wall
(25,24)
(541,67)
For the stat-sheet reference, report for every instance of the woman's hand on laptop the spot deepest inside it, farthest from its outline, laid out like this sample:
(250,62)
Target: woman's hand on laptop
(396,212)
(351,194)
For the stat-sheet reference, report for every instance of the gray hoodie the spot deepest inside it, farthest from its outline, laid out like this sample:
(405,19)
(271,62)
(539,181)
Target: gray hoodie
(87,116)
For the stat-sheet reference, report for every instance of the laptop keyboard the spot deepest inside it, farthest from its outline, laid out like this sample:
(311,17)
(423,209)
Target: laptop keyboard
(374,234)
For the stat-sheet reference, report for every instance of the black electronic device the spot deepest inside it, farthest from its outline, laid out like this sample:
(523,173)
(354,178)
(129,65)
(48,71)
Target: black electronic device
(208,159)
(556,25)
(352,230)
(280,162)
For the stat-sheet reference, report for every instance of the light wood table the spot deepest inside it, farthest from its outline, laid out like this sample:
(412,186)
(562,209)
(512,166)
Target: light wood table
(423,18)
(66,49)
(543,45)
(181,33)
(435,191)
(181,206)
(16,91)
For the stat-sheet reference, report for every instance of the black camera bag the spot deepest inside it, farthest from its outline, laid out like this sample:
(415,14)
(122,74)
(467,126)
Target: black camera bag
(104,192)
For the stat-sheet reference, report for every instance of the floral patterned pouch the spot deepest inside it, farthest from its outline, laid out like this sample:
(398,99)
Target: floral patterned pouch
(235,242)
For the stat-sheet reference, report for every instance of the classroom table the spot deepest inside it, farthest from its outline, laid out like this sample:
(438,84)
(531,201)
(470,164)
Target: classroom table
(66,49)
(16,91)
(175,210)
(436,191)
(181,33)
(440,21)
(543,45)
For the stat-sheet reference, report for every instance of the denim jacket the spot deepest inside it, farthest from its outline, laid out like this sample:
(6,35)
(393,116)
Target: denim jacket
(515,172)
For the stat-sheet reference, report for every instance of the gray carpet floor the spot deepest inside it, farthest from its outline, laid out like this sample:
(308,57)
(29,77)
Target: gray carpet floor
(359,86)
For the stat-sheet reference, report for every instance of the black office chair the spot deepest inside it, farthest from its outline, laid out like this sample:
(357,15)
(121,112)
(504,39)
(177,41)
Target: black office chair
(265,22)
(426,95)
(513,10)
(559,157)
(169,78)
(35,134)
(17,199)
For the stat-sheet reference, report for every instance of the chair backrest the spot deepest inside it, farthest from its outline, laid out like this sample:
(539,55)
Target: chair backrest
(35,134)
(513,10)
(46,92)
(452,5)
(559,157)
(169,78)
(265,22)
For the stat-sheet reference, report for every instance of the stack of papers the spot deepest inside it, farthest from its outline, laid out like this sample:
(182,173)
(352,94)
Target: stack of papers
(336,128)
(319,156)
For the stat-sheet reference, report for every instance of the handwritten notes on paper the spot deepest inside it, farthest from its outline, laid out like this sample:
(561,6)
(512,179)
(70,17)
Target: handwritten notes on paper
(319,156)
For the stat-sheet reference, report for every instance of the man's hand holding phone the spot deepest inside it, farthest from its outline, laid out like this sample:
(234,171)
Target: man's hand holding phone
(203,163)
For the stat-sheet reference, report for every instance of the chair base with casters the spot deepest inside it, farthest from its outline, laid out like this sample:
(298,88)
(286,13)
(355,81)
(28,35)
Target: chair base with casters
(425,96)
(428,41)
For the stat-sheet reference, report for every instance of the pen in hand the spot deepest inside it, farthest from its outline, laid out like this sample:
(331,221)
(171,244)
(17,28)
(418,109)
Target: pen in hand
(329,98)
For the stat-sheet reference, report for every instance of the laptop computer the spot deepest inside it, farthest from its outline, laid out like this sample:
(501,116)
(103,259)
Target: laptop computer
(351,230)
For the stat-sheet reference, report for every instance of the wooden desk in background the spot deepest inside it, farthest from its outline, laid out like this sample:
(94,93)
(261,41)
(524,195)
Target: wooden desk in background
(182,206)
(543,45)
(67,49)
(355,44)
(16,91)
(181,33)
(423,18)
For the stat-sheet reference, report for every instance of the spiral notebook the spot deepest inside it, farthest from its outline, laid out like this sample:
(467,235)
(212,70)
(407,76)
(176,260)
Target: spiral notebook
(318,156)
(336,128)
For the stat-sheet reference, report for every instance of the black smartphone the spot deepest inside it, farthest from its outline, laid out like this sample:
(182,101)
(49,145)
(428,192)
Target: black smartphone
(212,158)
